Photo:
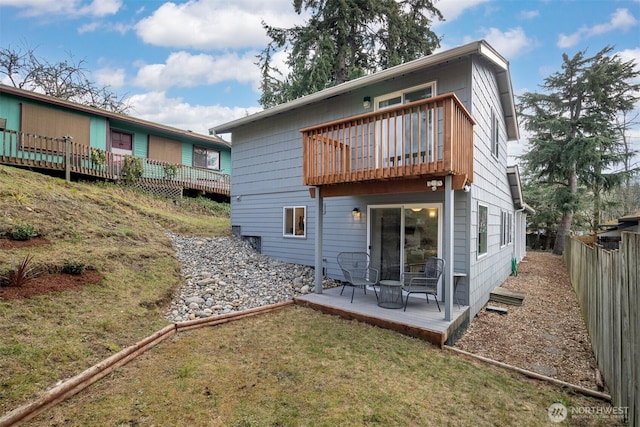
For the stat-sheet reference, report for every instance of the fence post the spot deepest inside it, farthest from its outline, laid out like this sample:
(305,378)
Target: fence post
(67,157)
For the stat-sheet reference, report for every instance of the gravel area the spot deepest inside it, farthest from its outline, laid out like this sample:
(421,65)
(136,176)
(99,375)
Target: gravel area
(224,274)
(546,334)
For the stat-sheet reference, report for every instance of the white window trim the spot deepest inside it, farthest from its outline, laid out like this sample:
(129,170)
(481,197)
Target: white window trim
(207,149)
(284,222)
(482,254)
(511,228)
(495,135)
(401,93)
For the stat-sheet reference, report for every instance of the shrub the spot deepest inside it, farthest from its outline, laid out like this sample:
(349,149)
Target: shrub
(98,157)
(20,275)
(73,267)
(170,171)
(23,232)
(132,169)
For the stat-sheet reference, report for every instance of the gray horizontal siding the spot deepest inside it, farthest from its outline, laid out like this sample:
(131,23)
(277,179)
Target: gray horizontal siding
(490,187)
(267,175)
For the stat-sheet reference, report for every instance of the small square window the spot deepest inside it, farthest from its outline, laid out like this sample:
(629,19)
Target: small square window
(206,158)
(294,221)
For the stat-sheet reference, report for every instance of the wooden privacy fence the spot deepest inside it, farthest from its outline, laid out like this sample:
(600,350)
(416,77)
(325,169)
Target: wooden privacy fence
(606,284)
(63,154)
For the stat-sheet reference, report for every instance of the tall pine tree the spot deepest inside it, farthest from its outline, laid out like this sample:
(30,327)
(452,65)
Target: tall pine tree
(343,40)
(575,141)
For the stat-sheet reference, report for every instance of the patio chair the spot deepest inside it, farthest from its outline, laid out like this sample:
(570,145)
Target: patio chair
(424,282)
(357,272)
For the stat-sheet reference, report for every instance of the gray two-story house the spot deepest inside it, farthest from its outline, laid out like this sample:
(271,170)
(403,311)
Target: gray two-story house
(405,164)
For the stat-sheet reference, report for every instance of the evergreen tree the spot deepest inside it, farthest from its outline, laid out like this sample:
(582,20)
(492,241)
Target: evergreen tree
(575,138)
(343,40)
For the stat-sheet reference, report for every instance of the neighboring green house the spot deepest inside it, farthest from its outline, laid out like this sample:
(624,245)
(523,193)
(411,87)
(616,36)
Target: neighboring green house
(34,128)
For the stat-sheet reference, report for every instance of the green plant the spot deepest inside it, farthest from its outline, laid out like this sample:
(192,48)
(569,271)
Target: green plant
(132,169)
(73,267)
(20,197)
(170,171)
(20,275)
(98,157)
(23,232)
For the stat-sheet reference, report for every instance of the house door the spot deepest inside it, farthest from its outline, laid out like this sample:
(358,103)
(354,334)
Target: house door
(402,138)
(403,237)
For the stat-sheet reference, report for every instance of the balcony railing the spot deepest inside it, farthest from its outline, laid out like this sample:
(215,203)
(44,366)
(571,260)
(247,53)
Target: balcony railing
(22,149)
(430,137)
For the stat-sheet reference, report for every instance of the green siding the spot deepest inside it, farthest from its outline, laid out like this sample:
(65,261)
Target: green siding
(10,110)
(140,146)
(98,133)
(187,154)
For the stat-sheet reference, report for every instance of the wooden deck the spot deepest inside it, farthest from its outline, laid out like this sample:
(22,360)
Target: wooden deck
(64,155)
(410,142)
(421,320)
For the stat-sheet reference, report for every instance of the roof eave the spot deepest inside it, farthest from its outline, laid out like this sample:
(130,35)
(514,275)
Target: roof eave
(109,114)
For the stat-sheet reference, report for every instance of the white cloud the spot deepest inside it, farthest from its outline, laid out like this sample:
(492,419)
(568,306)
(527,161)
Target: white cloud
(509,44)
(67,8)
(621,20)
(215,24)
(101,8)
(183,69)
(529,14)
(452,9)
(571,40)
(89,28)
(114,78)
(158,108)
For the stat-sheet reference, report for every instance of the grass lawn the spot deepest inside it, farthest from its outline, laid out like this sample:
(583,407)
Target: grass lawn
(290,367)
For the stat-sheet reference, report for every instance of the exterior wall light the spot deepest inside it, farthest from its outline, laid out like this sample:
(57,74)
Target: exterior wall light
(467,188)
(366,102)
(356,213)
(434,184)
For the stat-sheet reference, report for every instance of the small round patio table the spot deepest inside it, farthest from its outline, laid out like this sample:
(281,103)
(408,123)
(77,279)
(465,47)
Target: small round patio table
(390,294)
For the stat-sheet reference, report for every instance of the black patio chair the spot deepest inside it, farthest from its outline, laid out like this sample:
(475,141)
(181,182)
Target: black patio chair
(424,282)
(357,272)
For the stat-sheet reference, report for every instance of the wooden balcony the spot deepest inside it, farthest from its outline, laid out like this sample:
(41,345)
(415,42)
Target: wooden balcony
(423,139)
(35,151)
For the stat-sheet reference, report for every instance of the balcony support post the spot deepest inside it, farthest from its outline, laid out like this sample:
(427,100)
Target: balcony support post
(318,243)
(447,281)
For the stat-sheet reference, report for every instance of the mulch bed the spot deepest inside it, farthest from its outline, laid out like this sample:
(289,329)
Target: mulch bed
(50,283)
(16,244)
(45,283)
(546,334)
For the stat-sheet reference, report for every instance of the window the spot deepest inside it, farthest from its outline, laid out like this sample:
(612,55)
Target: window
(510,227)
(401,138)
(121,140)
(495,135)
(294,221)
(482,229)
(206,158)
(504,229)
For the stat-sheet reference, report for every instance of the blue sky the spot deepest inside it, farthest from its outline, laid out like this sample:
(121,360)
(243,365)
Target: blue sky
(190,64)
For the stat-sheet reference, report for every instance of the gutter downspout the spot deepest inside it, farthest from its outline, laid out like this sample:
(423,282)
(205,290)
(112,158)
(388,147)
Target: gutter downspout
(514,258)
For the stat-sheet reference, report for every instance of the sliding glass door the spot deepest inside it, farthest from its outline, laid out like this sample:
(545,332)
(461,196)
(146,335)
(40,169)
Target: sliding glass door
(403,237)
